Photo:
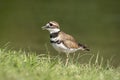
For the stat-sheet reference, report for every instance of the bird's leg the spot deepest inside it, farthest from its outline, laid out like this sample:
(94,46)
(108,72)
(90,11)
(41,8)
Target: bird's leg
(67,59)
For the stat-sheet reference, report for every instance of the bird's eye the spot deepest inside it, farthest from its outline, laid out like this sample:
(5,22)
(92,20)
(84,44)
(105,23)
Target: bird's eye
(50,24)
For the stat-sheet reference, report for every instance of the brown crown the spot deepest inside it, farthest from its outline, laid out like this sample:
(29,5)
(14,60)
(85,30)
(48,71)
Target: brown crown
(54,23)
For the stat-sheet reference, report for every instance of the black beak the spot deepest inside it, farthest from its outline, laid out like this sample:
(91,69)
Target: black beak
(44,27)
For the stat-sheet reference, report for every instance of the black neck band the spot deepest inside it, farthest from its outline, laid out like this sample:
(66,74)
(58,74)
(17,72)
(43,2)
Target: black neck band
(58,42)
(53,35)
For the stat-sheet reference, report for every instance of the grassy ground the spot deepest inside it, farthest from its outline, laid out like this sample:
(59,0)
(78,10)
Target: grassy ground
(20,65)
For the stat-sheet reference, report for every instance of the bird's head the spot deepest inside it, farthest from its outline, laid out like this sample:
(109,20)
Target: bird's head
(52,27)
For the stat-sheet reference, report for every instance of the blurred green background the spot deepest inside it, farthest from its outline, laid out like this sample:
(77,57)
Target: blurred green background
(95,23)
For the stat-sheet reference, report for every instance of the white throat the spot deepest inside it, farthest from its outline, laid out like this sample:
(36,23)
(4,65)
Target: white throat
(54,30)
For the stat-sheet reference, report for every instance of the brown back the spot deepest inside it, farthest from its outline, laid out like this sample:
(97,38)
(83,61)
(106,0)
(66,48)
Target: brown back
(68,40)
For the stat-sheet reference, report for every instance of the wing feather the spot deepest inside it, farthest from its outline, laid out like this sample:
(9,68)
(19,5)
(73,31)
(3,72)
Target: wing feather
(70,44)
(64,36)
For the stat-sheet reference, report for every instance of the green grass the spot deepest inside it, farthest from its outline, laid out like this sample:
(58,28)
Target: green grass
(21,65)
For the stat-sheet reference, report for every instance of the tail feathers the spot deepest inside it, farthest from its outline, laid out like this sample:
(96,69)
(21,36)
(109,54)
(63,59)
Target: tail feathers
(84,47)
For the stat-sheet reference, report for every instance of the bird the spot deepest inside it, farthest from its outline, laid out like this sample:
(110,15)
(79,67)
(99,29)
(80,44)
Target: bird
(61,41)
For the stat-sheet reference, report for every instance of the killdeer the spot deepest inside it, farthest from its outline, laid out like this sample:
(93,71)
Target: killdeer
(61,41)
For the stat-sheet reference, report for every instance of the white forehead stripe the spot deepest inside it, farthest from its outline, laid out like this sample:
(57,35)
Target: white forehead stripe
(47,24)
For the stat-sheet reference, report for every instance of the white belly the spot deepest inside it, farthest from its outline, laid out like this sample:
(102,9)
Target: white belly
(61,48)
